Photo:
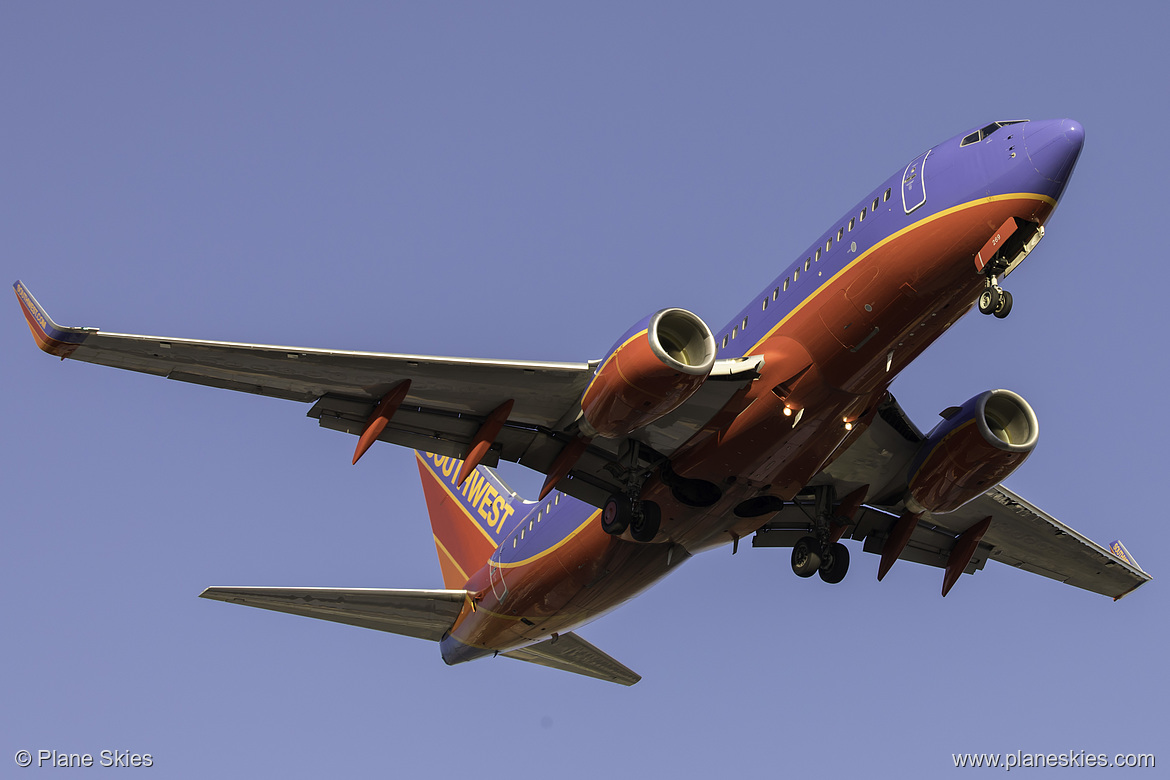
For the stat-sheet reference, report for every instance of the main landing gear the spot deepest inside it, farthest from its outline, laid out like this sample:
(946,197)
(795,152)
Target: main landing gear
(994,300)
(810,556)
(642,518)
(821,554)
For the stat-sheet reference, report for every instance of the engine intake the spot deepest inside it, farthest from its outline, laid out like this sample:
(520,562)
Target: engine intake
(974,449)
(651,370)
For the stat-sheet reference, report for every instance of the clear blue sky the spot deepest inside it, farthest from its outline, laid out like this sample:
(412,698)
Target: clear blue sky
(526,181)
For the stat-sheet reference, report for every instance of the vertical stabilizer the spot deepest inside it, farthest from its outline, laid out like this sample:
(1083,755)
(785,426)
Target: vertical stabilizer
(470,520)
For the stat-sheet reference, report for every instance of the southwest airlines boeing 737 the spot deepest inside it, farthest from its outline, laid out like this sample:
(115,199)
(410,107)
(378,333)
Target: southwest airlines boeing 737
(779,426)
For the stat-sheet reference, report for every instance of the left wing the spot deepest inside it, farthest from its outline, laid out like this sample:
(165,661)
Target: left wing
(448,402)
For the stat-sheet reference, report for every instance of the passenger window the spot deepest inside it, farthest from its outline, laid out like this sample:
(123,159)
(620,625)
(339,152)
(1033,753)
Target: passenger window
(863,215)
(786,285)
(724,339)
(887,195)
(851,225)
(796,274)
(841,234)
(828,245)
(817,257)
(745,323)
(776,293)
(733,330)
(875,204)
(765,308)
(807,263)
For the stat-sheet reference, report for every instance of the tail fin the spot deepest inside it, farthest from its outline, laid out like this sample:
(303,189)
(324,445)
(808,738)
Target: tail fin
(470,520)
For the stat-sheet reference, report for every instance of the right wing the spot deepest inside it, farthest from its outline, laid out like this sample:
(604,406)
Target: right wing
(449,399)
(1020,534)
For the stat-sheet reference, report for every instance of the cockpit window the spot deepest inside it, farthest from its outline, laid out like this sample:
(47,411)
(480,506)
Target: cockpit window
(983,132)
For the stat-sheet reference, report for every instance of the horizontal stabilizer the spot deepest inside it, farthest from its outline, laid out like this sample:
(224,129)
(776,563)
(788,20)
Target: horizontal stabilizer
(571,653)
(425,614)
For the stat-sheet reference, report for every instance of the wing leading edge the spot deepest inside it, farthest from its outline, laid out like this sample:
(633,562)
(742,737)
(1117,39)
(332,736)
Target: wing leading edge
(447,404)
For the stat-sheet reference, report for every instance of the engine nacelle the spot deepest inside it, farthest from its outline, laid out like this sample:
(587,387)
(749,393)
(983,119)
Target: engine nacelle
(973,450)
(651,370)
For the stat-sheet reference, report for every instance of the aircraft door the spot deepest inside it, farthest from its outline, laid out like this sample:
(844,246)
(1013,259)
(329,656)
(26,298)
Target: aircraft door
(914,183)
(496,575)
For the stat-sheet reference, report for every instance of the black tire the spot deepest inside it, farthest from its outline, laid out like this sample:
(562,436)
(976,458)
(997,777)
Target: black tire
(806,557)
(1005,305)
(835,564)
(616,515)
(645,528)
(989,300)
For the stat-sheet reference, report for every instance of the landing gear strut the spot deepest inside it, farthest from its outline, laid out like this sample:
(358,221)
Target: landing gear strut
(626,510)
(819,554)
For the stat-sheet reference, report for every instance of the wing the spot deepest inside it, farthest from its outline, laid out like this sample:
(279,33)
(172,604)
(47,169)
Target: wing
(423,614)
(448,403)
(571,653)
(1019,534)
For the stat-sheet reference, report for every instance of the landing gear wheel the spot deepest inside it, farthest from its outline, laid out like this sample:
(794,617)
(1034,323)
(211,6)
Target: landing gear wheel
(834,563)
(989,300)
(616,515)
(1005,305)
(644,527)
(806,556)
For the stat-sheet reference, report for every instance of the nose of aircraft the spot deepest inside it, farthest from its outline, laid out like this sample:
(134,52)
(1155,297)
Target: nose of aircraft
(1053,146)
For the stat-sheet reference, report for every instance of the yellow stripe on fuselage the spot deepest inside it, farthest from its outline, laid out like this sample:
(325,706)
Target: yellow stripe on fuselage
(550,550)
(892,237)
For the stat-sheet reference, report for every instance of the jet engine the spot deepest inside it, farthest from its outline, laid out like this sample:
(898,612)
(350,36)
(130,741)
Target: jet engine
(974,449)
(651,370)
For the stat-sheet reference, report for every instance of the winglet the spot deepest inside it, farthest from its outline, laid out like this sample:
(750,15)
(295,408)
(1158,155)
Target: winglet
(50,336)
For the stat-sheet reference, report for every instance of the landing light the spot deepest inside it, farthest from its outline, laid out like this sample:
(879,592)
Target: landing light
(787,411)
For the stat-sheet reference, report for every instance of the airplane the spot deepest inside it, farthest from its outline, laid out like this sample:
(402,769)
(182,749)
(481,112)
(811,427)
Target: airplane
(779,426)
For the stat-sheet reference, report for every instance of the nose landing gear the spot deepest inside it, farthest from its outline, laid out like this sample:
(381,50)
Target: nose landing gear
(1005,250)
(994,300)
